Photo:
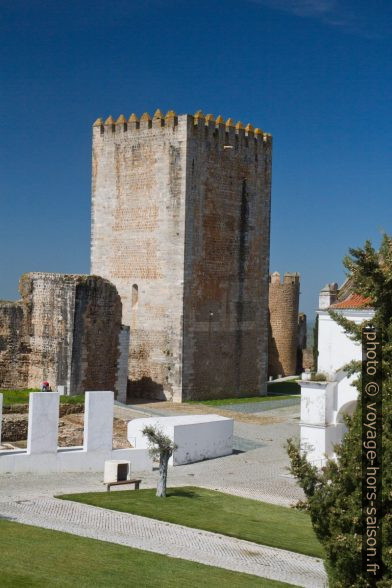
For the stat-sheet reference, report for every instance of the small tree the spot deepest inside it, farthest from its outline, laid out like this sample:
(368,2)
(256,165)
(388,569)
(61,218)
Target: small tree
(160,445)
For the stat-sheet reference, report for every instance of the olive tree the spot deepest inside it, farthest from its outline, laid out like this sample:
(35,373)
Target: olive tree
(160,445)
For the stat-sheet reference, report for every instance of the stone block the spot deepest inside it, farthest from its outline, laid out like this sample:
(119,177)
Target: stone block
(43,422)
(98,421)
(1,414)
(116,471)
(198,437)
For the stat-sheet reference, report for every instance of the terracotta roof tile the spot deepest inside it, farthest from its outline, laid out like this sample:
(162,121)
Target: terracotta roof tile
(353,301)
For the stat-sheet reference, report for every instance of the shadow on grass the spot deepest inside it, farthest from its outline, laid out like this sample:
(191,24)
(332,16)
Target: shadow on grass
(180,492)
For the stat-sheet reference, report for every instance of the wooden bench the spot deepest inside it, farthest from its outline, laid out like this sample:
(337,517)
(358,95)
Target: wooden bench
(122,482)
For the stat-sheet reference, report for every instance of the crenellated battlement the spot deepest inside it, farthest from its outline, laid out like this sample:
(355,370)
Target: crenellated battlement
(289,278)
(229,131)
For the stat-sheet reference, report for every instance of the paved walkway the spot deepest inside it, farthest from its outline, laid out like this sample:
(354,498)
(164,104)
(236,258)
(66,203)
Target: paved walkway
(168,539)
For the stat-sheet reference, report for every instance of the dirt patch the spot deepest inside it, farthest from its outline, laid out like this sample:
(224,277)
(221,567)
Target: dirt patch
(71,432)
(203,409)
(14,427)
(71,427)
(24,409)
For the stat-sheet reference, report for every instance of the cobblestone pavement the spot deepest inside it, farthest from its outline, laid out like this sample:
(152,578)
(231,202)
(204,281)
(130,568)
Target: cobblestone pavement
(168,539)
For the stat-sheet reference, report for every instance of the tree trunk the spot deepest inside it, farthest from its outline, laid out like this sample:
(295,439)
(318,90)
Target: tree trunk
(163,463)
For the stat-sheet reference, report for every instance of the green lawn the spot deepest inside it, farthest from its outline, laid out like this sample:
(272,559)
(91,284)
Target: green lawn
(288,387)
(282,390)
(22,397)
(34,557)
(252,520)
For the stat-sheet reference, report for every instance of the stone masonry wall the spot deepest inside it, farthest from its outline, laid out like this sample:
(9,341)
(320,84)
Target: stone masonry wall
(138,211)
(14,345)
(96,332)
(283,310)
(122,371)
(173,209)
(64,330)
(50,299)
(226,260)
(301,342)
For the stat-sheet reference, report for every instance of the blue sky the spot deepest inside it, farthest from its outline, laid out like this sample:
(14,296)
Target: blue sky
(314,73)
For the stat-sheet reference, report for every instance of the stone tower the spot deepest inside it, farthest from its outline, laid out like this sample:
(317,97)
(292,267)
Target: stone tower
(283,308)
(180,225)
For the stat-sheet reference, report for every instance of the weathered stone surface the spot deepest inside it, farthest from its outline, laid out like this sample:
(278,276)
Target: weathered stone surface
(283,310)
(180,224)
(226,263)
(65,330)
(122,364)
(307,359)
(14,344)
(301,342)
(97,325)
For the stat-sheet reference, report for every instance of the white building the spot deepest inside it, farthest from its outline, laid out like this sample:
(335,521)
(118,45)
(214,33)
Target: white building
(323,404)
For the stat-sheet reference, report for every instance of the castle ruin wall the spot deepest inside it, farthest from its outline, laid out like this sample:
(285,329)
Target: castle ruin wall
(14,345)
(64,330)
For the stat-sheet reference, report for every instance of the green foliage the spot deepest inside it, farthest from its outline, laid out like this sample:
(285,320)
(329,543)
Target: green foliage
(159,442)
(283,390)
(333,495)
(22,397)
(160,446)
(77,399)
(318,377)
(54,559)
(266,524)
(17,396)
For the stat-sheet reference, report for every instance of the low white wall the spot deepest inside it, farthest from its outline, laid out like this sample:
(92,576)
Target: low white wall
(43,456)
(322,404)
(198,437)
(1,413)
(317,402)
(71,460)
